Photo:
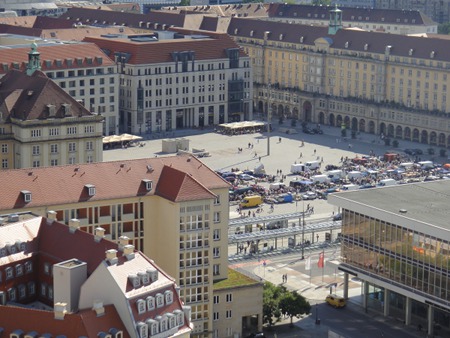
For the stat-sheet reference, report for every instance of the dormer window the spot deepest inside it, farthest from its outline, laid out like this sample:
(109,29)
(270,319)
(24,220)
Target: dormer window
(150,303)
(142,329)
(148,184)
(134,279)
(252,33)
(346,44)
(144,278)
(140,304)
(159,300)
(411,51)
(90,189)
(153,273)
(169,296)
(28,266)
(26,196)
(19,270)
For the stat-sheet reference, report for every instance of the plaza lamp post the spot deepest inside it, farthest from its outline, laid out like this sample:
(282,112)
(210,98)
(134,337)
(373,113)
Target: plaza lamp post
(269,116)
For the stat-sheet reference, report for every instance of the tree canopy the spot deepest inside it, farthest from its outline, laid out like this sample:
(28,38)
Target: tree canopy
(278,301)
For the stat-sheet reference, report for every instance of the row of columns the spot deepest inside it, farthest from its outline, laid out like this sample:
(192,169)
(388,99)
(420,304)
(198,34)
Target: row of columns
(386,307)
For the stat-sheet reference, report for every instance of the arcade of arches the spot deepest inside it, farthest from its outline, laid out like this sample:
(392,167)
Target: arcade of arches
(358,124)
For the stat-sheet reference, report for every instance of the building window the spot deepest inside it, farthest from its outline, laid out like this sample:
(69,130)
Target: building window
(216,234)
(36,150)
(228,314)
(217,200)
(5,163)
(150,303)
(22,291)
(9,273)
(12,294)
(89,145)
(216,252)
(47,268)
(89,129)
(229,297)
(71,130)
(54,131)
(140,306)
(89,159)
(54,148)
(19,270)
(31,288)
(72,160)
(36,164)
(169,296)
(28,267)
(50,292)
(216,299)
(159,300)
(4,148)
(216,316)
(43,289)
(36,133)
(72,147)
(53,162)
(216,269)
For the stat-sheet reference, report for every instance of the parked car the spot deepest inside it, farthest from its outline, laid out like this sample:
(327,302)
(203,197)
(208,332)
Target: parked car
(336,301)
(246,177)
(307,130)
(310,195)
(337,217)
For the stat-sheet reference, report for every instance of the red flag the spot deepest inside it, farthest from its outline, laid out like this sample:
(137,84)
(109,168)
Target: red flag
(321,262)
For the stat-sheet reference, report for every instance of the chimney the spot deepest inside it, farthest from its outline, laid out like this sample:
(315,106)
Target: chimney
(51,216)
(99,234)
(98,308)
(74,224)
(60,310)
(111,256)
(123,240)
(128,251)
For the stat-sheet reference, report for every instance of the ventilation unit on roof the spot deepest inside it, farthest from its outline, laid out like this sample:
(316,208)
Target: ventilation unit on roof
(411,51)
(366,46)
(432,54)
(346,44)
(13,218)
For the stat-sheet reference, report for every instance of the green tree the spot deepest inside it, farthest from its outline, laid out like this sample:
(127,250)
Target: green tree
(271,297)
(444,28)
(185,2)
(293,304)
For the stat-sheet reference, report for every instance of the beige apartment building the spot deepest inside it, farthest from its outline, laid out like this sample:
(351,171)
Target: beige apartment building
(83,70)
(385,84)
(179,78)
(174,209)
(41,125)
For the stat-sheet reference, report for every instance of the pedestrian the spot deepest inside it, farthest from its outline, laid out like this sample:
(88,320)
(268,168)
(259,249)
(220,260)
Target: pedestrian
(317,237)
(301,155)
(314,151)
(321,161)
(259,159)
(279,140)
(285,278)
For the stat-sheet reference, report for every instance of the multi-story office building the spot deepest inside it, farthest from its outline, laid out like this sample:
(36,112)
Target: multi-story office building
(83,70)
(174,209)
(58,281)
(396,241)
(438,10)
(370,82)
(41,125)
(177,79)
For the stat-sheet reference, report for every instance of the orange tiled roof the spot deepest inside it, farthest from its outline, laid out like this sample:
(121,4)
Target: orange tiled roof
(84,323)
(119,179)
(178,186)
(26,97)
(50,55)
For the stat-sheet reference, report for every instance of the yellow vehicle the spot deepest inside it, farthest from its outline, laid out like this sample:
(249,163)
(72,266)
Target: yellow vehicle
(251,201)
(335,301)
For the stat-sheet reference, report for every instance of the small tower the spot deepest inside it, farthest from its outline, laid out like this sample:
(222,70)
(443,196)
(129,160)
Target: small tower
(335,20)
(34,60)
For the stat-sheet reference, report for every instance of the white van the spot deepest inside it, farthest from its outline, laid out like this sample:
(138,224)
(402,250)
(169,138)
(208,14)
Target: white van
(298,168)
(320,179)
(387,182)
(335,175)
(312,165)
(354,174)
(407,165)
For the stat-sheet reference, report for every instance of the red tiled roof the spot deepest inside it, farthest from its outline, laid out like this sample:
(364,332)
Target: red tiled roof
(26,97)
(84,323)
(86,15)
(112,180)
(81,51)
(213,47)
(178,186)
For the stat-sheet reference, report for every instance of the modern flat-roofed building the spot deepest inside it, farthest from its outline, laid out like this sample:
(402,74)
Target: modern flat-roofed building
(174,209)
(396,240)
(177,79)
(60,281)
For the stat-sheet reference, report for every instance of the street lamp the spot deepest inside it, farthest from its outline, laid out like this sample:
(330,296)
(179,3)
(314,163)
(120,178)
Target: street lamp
(303,231)
(269,117)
